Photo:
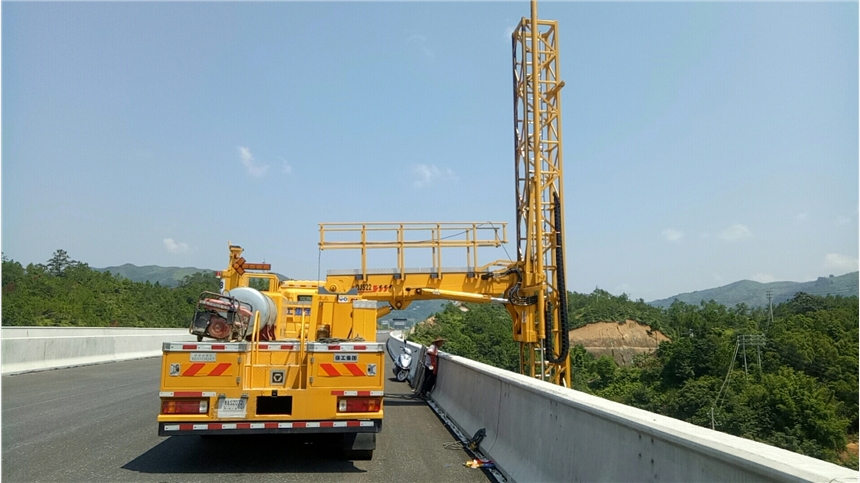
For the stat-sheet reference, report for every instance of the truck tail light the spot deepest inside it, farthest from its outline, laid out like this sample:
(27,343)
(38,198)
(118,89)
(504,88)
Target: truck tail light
(359,405)
(185,406)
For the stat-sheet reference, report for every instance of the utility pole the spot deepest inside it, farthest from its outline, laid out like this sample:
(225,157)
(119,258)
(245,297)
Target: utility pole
(769,294)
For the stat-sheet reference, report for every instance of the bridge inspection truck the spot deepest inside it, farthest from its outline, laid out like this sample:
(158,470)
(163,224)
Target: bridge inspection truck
(302,357)
(283,359)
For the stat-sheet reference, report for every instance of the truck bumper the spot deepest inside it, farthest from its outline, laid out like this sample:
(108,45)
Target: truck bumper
(270,427)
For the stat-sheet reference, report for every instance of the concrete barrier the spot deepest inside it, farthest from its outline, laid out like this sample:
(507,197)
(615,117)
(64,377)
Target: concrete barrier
(537,431)
(29,349)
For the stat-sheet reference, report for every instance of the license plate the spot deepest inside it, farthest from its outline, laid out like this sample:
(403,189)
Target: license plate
(202,357)
(232,407)
(346,357)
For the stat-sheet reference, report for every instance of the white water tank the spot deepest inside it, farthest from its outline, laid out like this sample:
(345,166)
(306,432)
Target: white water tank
(258,302)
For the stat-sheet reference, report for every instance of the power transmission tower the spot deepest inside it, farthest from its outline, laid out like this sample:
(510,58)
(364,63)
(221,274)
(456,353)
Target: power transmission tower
(752,340)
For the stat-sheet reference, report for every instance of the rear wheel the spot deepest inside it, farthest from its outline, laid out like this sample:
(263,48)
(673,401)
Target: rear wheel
(401,375)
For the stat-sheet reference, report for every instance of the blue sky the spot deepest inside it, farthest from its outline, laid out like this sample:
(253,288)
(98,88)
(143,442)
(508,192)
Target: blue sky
(704,143)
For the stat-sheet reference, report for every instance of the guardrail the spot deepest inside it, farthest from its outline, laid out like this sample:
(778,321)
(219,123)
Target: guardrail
(29,349)
(537,431)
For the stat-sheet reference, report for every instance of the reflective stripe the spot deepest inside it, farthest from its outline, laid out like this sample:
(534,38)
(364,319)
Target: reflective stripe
(273,346)
(357,393)
(185,394)
(346,347)
(205,369)
(220,347)
(338,369)
(267,425)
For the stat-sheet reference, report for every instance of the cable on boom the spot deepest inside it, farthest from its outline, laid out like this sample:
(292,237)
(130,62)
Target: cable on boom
(562,293)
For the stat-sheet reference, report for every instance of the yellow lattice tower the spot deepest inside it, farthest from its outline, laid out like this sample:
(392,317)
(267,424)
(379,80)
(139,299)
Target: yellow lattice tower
(539,196)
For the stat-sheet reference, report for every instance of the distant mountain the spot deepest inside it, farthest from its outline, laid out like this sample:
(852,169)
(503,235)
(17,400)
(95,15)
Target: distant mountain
(165,276)
(417,311)
(754,294)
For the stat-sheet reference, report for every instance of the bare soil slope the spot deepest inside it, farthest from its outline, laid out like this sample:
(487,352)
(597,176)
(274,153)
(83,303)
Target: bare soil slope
(618,340)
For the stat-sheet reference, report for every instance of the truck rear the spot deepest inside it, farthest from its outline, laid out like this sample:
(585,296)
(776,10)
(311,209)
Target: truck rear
(284,360)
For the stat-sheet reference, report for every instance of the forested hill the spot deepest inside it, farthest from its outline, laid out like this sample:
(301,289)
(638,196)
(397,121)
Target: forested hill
(65,292)
(164,276)
(754,294)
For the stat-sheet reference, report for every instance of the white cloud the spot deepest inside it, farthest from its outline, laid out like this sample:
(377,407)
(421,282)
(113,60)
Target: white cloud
(764,278)
(672,234)
(286,168)
(840,262)
(509,31)
(421,40)
(736,232)
(718,278)
(254,168)
(843,220)
(174,247)
(802,217)
(429,174)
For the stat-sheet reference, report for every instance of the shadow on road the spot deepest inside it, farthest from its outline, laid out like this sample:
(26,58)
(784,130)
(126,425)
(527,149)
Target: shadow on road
(265,453)
(404,400)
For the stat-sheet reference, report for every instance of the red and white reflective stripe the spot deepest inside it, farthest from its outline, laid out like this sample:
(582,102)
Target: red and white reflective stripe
(225,347)
(366,347)
(267,425)
(185,394)
(278,347)
(357,393)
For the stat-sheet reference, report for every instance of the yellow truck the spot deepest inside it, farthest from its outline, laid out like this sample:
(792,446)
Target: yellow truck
(280,359)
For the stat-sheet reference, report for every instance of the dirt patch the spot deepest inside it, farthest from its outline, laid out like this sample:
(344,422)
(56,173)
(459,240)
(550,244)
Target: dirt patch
(619,340)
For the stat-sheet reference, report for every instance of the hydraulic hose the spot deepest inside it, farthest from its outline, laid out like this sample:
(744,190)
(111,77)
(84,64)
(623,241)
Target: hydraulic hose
(562,297)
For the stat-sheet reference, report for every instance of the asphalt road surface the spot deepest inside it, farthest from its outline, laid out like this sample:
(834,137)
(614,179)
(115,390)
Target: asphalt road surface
(98,423)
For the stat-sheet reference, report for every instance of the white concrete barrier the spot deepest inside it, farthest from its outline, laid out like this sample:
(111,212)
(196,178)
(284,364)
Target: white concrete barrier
(537,431)
(28,349)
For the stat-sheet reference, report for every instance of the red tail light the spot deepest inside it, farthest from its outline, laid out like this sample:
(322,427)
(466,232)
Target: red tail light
(359,405)
(185,406)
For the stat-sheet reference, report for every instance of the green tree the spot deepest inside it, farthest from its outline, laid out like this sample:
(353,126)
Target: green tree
(59,262)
